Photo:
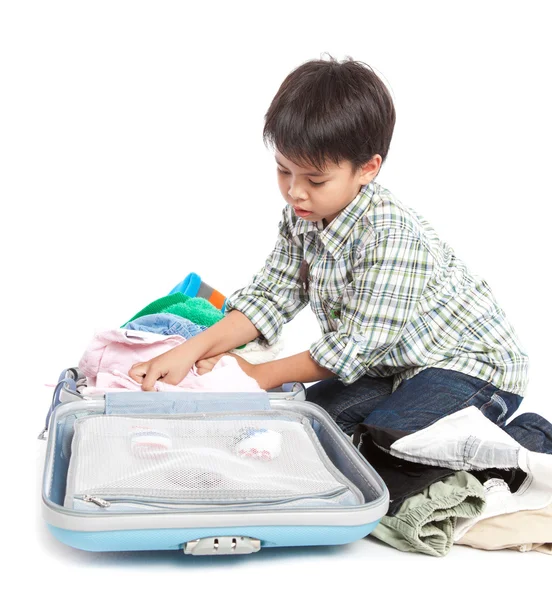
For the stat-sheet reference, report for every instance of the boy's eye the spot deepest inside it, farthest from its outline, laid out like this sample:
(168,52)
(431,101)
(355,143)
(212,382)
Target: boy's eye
(310,181)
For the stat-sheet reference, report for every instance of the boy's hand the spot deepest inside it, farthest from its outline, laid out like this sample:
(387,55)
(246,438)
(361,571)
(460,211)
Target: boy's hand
(170,367)
(206,364)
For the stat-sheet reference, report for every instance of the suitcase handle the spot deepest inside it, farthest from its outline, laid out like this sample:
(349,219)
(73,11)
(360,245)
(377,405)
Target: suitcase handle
(184,402)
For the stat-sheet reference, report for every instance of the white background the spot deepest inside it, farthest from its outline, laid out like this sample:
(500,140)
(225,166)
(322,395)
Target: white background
(131,154)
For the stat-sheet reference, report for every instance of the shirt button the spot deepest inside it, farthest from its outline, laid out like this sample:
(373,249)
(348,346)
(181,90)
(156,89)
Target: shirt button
(358,338)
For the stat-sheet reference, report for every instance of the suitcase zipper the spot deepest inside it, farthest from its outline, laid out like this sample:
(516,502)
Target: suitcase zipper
(171,504)
(98,501)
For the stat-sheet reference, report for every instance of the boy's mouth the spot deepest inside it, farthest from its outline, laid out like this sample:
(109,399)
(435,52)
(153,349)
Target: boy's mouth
(302,213)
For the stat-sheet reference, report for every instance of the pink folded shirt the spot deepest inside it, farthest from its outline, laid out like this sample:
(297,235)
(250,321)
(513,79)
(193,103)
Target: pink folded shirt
(111,354)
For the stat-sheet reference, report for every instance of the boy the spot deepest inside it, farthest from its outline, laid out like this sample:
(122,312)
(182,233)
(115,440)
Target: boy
(409,335)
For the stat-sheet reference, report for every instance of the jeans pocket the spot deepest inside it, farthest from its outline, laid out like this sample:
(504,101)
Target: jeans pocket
(495,404)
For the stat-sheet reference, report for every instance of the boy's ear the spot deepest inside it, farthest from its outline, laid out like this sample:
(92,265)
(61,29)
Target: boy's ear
(369,170)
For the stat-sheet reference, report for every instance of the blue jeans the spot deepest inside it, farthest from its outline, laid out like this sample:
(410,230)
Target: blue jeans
(425,398)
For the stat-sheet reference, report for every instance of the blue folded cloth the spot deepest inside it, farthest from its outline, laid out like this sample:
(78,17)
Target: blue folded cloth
(166,324)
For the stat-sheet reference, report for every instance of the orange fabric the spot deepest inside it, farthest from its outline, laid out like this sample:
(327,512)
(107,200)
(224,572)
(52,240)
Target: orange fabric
(217,299)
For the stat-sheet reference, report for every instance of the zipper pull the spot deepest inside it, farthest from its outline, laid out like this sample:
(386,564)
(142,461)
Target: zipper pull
(96,500)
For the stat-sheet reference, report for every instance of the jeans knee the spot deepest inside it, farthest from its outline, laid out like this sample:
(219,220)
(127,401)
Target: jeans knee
(346,421)
(532,431)
(531,420)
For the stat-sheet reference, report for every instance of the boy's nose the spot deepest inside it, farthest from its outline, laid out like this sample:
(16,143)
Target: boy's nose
(296,193)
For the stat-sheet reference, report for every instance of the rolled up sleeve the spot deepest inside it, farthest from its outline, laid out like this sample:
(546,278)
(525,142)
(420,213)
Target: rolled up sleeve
(275,295)
(388,281)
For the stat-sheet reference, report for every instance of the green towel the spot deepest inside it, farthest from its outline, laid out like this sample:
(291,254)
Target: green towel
(197,310)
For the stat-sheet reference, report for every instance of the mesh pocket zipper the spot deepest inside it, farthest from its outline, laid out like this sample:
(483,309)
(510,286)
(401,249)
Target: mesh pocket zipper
(133,503)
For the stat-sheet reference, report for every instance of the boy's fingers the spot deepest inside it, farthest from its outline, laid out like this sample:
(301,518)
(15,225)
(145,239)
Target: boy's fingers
(152,375)
(146,375)
(203,366)
(138,371)
(206,365)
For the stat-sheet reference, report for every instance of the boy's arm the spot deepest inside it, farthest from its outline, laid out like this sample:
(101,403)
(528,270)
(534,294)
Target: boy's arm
(234,330)
(299,367)
(275,294)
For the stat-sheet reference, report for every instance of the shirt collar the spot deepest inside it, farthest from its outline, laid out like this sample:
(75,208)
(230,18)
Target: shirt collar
(336,233)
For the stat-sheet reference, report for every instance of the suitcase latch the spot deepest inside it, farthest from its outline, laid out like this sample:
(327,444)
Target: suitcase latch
(222,545)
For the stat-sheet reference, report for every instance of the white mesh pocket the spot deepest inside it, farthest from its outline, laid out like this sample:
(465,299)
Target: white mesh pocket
(121,461)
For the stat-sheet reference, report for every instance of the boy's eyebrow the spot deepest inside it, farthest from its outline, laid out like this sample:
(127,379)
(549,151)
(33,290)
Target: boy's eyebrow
(315,174)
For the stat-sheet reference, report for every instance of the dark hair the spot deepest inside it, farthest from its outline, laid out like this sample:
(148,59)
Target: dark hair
(331,111)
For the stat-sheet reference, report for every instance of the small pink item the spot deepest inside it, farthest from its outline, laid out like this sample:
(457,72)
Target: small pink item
(145,441)
(263,444)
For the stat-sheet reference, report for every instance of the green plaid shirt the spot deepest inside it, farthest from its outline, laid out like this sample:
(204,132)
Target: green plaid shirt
(391,298)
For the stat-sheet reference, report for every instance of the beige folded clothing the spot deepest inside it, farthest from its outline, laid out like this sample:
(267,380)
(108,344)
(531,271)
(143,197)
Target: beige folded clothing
(525,530)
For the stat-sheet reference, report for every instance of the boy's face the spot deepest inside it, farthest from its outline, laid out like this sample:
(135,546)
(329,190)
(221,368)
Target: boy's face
(316,195)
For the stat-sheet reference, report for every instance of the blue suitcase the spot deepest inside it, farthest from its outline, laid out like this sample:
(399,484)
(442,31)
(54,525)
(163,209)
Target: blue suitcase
(206,473)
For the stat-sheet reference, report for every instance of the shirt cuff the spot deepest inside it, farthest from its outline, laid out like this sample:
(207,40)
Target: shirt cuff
(262,314)
(338,354)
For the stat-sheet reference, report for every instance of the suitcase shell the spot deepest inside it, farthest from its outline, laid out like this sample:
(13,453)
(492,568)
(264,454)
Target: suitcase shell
(208,531)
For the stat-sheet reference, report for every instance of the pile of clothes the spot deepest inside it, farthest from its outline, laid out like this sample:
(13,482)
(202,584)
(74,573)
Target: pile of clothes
(162,325)
(464,480)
